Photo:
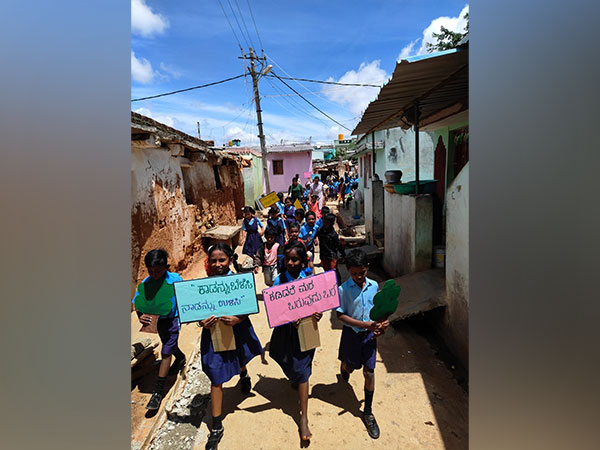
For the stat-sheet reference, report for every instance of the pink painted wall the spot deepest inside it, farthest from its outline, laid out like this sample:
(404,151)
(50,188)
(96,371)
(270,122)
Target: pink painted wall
(293,163)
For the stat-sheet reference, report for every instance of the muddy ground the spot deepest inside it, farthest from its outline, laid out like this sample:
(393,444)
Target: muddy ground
(418,402)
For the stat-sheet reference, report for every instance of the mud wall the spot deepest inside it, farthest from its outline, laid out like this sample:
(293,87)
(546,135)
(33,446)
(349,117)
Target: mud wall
(172,205)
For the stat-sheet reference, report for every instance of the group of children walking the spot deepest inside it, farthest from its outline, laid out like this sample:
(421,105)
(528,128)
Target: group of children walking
(288,224)
(357,347)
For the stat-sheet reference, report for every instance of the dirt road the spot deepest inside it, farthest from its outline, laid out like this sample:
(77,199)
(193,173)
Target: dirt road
(417,402)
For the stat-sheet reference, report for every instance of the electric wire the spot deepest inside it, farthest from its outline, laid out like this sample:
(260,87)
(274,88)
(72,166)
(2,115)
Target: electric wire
(297,107)
(325,82)
(311,104)
(238,23)
(337,105)
(292,101)
(310,92)
(255,27)
(231,26)
(244,22)
(296,111)
(187,89)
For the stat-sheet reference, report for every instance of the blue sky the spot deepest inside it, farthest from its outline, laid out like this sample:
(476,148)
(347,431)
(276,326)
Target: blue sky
(179,44)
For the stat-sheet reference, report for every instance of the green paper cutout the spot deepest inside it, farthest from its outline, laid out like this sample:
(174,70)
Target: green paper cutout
(161,304)
(385,301)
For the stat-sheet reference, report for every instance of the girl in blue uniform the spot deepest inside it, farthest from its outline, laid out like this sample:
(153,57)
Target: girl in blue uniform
(278,224)
(284,347)
(289,211)
(220,367)
(254,230)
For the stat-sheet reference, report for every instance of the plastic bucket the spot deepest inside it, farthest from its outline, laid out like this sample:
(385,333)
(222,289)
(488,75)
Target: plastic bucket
(439,256)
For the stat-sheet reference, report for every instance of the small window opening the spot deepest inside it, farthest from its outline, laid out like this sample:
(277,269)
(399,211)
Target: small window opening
(217,177)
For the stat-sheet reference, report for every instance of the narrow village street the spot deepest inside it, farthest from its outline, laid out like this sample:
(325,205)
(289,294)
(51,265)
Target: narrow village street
(418,402)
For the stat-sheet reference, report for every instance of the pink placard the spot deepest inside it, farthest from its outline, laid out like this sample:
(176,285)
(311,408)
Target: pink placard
(307,175)
(297,299)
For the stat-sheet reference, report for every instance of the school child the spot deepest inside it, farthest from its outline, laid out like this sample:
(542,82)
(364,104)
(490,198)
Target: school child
(336,186)
(308,231)
(330,248)
(220,367)
(305,203)
(341,188)
(319,222)
(358,346)
(280,204)
(307,189)
(314,205)
(253,229)
(299,216)
(284,347)
(347,194)
(288,212)
(278,223)
(268,256)
(156,295)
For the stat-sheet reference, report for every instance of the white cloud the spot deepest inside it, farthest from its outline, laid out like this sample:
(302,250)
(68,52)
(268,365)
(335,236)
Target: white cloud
(144,21)
(141,69)
(357,98)
(237,133)
(168,70)
(335,131)
(407,50)
(222,122)
(456,24)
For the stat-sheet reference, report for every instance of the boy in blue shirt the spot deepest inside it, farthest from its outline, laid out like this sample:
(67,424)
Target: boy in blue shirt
(358,346)
(308,231)
(280,204)
(156,295)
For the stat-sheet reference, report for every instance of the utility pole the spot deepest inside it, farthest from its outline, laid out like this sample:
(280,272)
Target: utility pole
(261,136)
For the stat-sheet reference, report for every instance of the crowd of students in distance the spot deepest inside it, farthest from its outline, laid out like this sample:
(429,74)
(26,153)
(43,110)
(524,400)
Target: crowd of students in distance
(286,224)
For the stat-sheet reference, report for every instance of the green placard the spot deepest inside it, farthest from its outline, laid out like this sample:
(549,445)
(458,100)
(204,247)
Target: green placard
(385,301)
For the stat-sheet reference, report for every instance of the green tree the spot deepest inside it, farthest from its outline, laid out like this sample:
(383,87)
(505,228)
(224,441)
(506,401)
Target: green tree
(447,39)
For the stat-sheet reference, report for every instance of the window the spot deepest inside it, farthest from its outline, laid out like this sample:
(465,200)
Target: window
(278,167)
(217,177)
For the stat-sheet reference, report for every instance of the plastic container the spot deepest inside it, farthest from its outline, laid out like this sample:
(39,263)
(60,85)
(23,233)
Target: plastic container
(439,256)
(425,187)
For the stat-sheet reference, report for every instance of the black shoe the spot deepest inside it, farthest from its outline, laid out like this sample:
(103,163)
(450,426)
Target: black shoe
(177,366)
(214,438)
(154,402)
(245,384)
(345,375)
(371,424)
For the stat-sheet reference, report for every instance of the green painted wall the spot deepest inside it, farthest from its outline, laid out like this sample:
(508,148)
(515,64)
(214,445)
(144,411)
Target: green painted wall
(253,181)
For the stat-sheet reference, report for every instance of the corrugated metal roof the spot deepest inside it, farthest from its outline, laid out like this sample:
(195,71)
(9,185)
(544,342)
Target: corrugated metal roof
(289,148)
(242,151)
(440,84)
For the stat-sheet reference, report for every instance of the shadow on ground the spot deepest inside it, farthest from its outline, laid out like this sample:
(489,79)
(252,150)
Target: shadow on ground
(339,394)
(280,395)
